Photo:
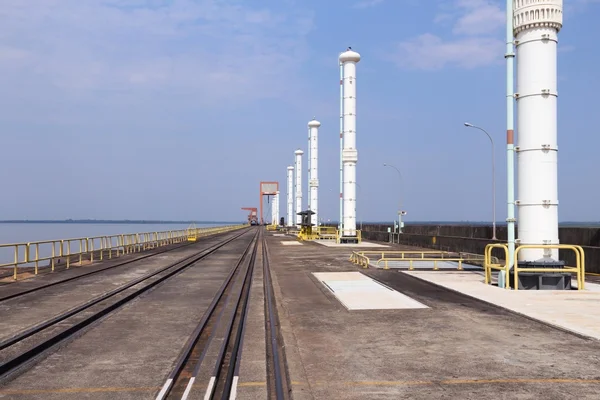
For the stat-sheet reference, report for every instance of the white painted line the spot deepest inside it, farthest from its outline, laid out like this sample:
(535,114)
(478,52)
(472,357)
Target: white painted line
(164,389)
(291,243)
(209,389)
(233,393)
(188,389)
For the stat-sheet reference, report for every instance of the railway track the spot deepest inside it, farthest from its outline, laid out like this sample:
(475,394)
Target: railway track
(216,376)
(24,348)
(98,271)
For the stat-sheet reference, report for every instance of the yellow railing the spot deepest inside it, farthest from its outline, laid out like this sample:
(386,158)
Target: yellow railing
(32,253)
(338,236)
(488,265)
(578,269)
(363,258)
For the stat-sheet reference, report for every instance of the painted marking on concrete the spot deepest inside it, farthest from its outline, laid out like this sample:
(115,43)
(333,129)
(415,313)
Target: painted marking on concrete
(322,383)
(291,243)
(164,389)
(357,291)
(233,393)
(209,390)
(279,234)
(188,389)
(331,243)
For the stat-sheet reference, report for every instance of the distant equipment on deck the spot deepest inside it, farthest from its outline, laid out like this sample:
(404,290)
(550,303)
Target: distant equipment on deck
(306,226)
(252,216)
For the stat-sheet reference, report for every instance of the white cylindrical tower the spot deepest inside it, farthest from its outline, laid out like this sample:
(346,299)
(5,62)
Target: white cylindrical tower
(290,196)
(298,168)
(348,59)
(313,182)
(536,26)
(276,209)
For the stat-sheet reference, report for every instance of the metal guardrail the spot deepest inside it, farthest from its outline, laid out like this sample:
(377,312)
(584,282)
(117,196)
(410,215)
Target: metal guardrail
(363,258)
(578,269)
(338,236)
(32,253)
(488,265)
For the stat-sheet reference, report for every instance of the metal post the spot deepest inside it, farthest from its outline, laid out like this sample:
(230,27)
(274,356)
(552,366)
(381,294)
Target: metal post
(399,200)
(493,178)
(510,146)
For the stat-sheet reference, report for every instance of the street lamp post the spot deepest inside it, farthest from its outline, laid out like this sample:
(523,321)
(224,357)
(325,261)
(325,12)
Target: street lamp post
(399,199)
(493,178)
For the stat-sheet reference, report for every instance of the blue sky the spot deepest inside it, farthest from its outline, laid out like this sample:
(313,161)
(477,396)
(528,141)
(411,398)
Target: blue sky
(176,109)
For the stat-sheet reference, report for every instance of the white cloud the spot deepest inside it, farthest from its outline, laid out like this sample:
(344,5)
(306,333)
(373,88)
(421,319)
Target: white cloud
(367,3)
(211,49)
(479,17)
(474,40)
(430,52)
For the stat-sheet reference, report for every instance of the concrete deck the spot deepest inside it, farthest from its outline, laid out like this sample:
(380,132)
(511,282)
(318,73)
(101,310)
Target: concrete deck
(573,310)
(24,311)
(454,346)
(457,348)
(128,354)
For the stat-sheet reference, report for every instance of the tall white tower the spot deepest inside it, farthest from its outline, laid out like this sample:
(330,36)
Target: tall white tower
(290,196)
(536,26)
(298,154)
(275,209)
(348,60)
(313,179)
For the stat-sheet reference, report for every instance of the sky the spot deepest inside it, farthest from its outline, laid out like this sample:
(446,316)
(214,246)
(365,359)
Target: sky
(177,109)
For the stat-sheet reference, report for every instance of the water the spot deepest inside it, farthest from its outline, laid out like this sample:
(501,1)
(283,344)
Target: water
(23,233)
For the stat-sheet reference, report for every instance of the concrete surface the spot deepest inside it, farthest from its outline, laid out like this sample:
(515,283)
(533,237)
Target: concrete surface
(573,310)
(362,244)
(129,354)
(356,291)
(253,367)
(30,309)
(458,348)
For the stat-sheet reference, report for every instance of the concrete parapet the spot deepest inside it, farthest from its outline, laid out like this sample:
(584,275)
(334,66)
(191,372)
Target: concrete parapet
(474,238)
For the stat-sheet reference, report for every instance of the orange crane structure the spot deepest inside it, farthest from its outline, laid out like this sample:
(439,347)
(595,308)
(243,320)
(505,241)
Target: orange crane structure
(252,216)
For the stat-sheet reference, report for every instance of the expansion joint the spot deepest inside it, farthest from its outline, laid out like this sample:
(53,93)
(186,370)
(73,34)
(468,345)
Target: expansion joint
(544,148)
(545,38)
(544,203)
(543,92)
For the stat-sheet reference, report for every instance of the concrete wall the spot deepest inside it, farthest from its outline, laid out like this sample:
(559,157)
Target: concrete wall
(474,238)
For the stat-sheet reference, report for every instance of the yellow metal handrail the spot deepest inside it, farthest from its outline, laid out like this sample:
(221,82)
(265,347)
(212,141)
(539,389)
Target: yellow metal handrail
(579,268)
(103,245)
(488,265)
(363,257)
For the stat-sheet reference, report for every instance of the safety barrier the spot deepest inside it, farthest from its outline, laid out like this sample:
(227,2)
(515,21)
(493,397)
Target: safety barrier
(26,254)
(338,236)
(488,265)
(578,269)
(363,258)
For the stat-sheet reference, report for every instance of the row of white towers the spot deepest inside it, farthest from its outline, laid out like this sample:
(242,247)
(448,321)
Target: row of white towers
(348,157)
(535,25)
(294,186)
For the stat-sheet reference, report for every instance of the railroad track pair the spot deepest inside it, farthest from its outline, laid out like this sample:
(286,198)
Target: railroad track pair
(229,306)
(23,348)
(228,311)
